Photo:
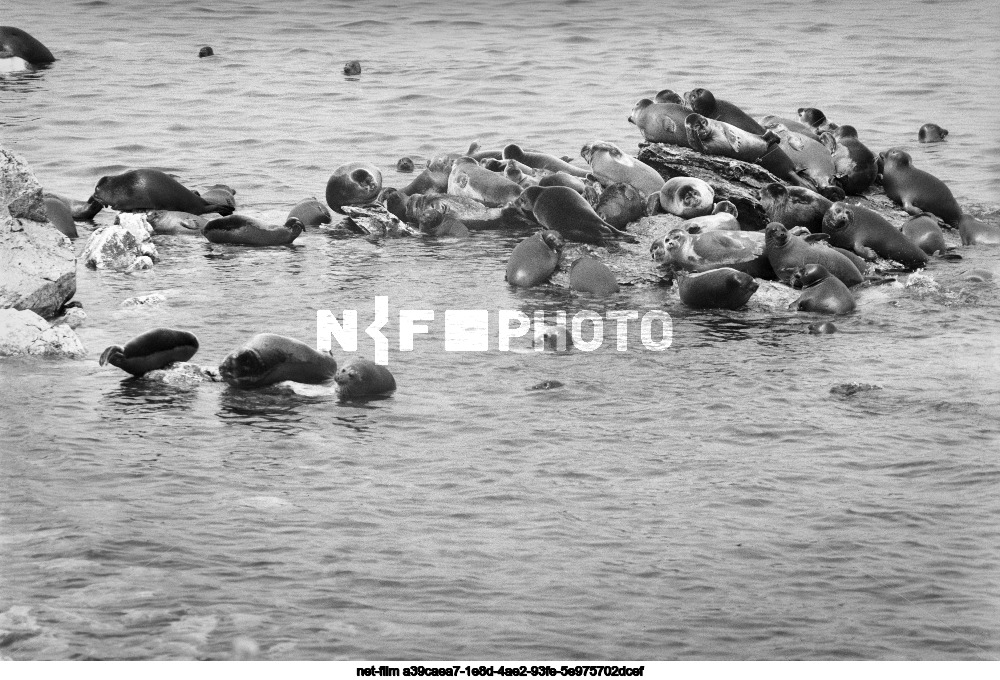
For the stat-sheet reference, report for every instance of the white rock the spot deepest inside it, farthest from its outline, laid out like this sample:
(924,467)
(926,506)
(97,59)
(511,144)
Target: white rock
(144,300)
(74,318)
(119,246)
(24,332)
(181,373)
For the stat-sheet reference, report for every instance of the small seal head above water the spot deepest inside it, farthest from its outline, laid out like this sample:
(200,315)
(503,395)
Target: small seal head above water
(929,132)
(352,68)
(152,350)
(206,51)
(353,184)
(534,259)
(362,378)
(15,43)
(404,164)
(267,359)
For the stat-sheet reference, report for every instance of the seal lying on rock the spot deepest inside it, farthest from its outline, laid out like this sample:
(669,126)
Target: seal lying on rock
(541,161)
(267,359)
(152,350)
(679,251)
(246,231)
(868,234)
(176,222)
(856,166)
(661,121)
(723,218)
(787,253)
(687,197)
(822,292)
(468,178)
(916,190)
(794,206)
(611,166)
(143,190)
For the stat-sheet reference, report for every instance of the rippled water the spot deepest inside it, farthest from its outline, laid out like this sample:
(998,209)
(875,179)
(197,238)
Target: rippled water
(728,498)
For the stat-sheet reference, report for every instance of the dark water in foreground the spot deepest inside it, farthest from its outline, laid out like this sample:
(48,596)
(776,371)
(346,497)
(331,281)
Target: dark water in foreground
(724,499)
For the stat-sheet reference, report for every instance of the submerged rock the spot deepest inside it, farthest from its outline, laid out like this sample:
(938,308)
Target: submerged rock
(126,245)
(182,373)
(24,332)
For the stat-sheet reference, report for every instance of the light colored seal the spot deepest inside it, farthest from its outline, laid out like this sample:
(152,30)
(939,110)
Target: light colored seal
(569,213)
(661,122)
(687,197)
(362,378)
(929,132)
(471,180)
(611,166)
(310,212)
(917,191)
(246,231)
(722,288)
(866,233)
(145,189)
(541,161)
(772,122)
(176,222)
(722,139)
(810,159)
(267,359)
(787,253)
(534,259)
(589,275)
(679,251)
(151,351)
(723,218)
(822,292)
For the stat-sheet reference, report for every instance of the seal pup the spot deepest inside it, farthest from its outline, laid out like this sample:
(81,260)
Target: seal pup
(246,231)
(569,213)
(794,206)
(925,232)
(267,359)
(661,122)
(18,44)
(704,102)
(975,232)
(541,161)
(822,292)
(929,132)
(866,233)
(534,259)
(856,167)
(151,350)
(587,274)
(723,288)
(59,216)
(787,252)
(917,191)
(687,197)
(145,189)
(362,378)
(353,184)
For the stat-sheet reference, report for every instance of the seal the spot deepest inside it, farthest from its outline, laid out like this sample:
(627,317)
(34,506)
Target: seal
(59,216)
(661,122)
(975,232)
(723,218)
(219,194)
(822,292)
(144,190)
(794,206)
(534,259)
(246,231)
(816,119)
(310,212)
(589,275)
(917,191)
(80,210)
(470,212)
(679,251)
(541,161)
(176,222)
(669,97)
(362,378)
(15,43)
(471,180)
(704,102)
(563,179)
(772,122)
(514,171)
(569,213)
(856,167)
(152,350)
(404,164)
(866,233)
(352,68)
(924,231)
(723,288)
(812,160)
(787,253)
(611,166)
(620,204)
(206,51)
(440,222)
(687,197)
(929,132)
(267,359)
(353,184)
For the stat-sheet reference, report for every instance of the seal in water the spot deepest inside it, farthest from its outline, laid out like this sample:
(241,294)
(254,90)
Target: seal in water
(310,212)
(80,210)
(353,184)
(661,122)
(866,233)
(822,292)
(788,252)
(978,233)
(472,180)
(246,231)
(206,51)
(404,164)
(144,190)
(352,68)
(611,166)
(15,43)
(794,206)
(929,132)
(60,216)
(569,213)
(541,161)
(723,218)
(917,191)
(589,275)
(687,197)
(152,350)
(267,359)
(723,288)
(534,259)
(441,222)
(361,378)
(704,102)
(925,232)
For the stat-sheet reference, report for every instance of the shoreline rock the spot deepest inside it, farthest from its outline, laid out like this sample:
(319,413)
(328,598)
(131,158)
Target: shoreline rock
(127,245)
(24,332)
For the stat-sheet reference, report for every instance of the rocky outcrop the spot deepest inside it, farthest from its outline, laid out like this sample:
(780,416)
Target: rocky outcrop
(24,332)
(37,264)
(126,245)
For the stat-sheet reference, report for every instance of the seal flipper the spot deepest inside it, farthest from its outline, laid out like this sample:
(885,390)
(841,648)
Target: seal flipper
(111,355)
(223,210)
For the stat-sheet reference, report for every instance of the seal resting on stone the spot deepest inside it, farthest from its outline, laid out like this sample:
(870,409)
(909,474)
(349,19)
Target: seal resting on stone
(267,359)
(794,206)
(440,222)
(611,166)
(723,218)
(772,122)
(151,351)
(80,210)
(589,275)
(822,292)
(787,252)
(569,213)
(541,161)
(816,119)
(661,122)
(310,212)
(917,191)
(534,259)
(925,232)
(176,222)
(866,233)
(723,288)
(810,159)
(219,194)
(514,171)
(704,102)
(471,180)
(620,204)
(687,197)
(856,167)
(362,378)
(18,44)
(929,132)
(563,179)
(679,251)
(246,231)
(145,189)
(353,184)
(470,212)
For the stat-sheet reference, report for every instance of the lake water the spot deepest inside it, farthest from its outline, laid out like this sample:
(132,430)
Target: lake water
(728,498)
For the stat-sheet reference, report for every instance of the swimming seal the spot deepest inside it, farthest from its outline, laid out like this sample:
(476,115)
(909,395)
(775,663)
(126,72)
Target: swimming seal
(17,43)
(822,292)
(917,191)
(362,378)
(534,259)
(924,231)
(353,184)
(866,233)
(569,213)
(246,231)
(687,197)
(310,212)
(205,51)
(471,180)
(794,206)
(856,167)
(267,359)
(144,190)
(661,122)
(541,161)
(723,288)
(352,68)
(404,164)
(611,166)
(723,218)
(152,350)
(929,132)
(787,252)
(59,216)
(975,232)
(589,275)
(822,328)
(176,222)
(620,204)
(704,102)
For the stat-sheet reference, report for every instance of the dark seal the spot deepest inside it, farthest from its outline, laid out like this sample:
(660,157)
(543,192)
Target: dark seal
(17,43)
(144,190)
(723,288)
(151,351)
